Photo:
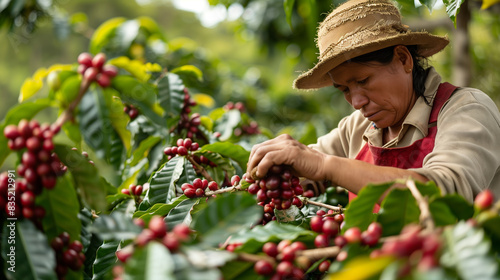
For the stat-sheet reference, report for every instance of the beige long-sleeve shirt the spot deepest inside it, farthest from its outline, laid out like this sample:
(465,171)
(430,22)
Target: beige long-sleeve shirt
(466,155)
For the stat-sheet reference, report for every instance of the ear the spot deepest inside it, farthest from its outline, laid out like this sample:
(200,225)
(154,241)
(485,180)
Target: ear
(403,56)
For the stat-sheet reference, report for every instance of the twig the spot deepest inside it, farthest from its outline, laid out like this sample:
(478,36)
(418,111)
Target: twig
(255,258)
(68,113)
(425,213)
(319,253)
(327,206)
(224,190)
(200,169)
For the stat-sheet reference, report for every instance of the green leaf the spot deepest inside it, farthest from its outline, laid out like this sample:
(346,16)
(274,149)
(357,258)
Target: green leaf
(230,150)
(398,209)
(223,217)
(238,270)
(171,94)
(159,209)
(61,207)
(119,120)
(468,252)
(181,213)
(188,70)
(271,232)
(95,123)
(441,213)
(453,8)
(103,34)
(492,228)
(91,187)
(461,208)
(26,253)
(288,4)
(151,262)
(69,89)
(116,226)
(133,89)
(143,150)
(428,3)
(227,123)
(105,260)
(221,162)
(162,182)
(72,130)
(359,212)
(26,110)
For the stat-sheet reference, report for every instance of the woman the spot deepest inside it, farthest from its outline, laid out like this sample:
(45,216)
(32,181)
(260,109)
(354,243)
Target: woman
(406,124)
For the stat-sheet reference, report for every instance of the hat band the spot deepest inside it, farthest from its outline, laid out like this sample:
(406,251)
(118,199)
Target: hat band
(360,37)
(367,22)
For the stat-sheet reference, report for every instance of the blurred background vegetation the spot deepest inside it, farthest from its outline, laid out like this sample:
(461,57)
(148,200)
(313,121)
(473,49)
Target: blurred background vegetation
(252,56)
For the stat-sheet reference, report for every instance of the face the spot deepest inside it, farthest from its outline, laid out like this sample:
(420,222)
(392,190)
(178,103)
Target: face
(383,93)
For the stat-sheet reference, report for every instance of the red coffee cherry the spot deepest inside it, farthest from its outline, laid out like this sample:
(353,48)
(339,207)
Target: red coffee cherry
(270,249)
(484,199)
(321,241)
(353,235)
(213,186)
(11,132)
(85,59)
(263,267)
(330,228)
(110,70)
(324,266)
(284,268)
(99,60)
(316,224)
(90,74)
(157,226)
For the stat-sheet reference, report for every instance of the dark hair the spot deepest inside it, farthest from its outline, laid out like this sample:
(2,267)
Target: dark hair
(384,56)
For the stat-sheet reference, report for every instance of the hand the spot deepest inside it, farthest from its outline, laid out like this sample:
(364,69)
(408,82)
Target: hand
(304,161)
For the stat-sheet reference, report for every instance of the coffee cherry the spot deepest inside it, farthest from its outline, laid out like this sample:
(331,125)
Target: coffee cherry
(99,60)
(76,245)
(288,254)
(29,159)
(90,74)
(324,266)
(138,190)
(11,132)
(57,244)
(353,235)
(284,268)
(330,228)
(270,249)
(49,181)
(157,226)
(85,59)
(339,218)
(70,257)
(200,192)
(182,151)
(321,241)
(144,237)
(263,267)
(197,183)
(191,193)
(125,191)
(235,180)
(484,199)
(110,70)
(340,241)
(27,199)
(316,224)
(369,238)
(65,238)
(182,231)
(103,80)
(171,242)
(213,186)
(124,254)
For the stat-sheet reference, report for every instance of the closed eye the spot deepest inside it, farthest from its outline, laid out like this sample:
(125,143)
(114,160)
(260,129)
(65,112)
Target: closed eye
(362,82)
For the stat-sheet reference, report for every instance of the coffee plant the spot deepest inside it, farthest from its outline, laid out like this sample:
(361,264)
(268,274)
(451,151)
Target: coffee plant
(136,178)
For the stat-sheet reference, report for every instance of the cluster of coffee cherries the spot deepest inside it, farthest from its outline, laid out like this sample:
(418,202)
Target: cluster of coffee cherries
(157,231)
(238,106)
(289,263)
(198,186)
(69,255)
(184,146)
(133,190)
(189,123)
(417,248)
(19,202)
(277,190)
(39,165)
(131,111)
(93,68)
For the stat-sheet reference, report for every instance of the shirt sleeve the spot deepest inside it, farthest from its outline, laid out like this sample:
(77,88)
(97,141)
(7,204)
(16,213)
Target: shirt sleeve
(345,140)
(466,153)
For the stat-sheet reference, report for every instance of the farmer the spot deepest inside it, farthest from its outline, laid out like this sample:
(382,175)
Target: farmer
(407,123)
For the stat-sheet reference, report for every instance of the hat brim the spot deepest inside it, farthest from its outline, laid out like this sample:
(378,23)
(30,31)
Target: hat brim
(317,76)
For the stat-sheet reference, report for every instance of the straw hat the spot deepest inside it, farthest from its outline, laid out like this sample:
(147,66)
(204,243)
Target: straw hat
(359,27)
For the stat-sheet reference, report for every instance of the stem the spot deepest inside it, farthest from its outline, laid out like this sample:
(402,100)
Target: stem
(255,258)
(319,253)
(425,214)
(200,169)
(327,206)
(68,113)
(224,190)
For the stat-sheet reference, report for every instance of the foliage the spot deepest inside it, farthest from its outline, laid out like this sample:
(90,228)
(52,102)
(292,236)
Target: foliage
(119,179)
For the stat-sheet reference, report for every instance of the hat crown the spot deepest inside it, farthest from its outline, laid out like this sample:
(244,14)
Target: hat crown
(350,23)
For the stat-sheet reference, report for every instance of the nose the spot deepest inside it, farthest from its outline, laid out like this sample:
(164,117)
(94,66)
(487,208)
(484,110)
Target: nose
(358,99)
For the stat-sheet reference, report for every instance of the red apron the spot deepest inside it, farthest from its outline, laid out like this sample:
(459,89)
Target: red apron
(411,156)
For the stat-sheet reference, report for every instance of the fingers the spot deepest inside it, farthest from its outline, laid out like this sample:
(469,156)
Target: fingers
(269,153)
